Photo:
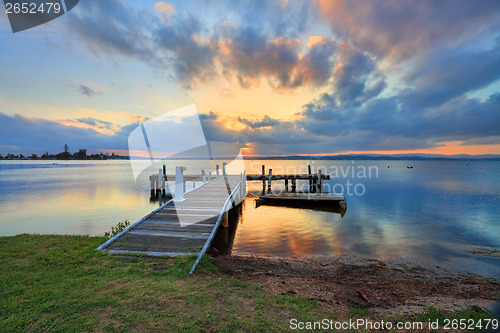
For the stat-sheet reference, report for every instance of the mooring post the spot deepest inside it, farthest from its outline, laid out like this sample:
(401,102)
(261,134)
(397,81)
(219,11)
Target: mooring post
(240,192)
(217,170)
(263,179)
(164,178)
(286,184)
(179,184)
(224,170)
(244,184)
(203,176)
(152,182)
(158,183)
(319,183)
(225,220)
(269,181)
(310,177)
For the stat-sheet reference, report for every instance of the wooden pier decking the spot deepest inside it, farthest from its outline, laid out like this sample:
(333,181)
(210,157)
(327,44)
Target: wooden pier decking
(184,225)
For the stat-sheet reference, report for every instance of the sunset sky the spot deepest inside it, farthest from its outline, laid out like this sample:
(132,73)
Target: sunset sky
(278,77)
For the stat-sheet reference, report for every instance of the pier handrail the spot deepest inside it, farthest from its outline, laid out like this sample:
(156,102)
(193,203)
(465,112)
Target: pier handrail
(229,199)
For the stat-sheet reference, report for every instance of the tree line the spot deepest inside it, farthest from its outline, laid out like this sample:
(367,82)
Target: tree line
(81,154)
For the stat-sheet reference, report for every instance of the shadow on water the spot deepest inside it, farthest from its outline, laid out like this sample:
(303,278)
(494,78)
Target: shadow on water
(224,238)
(160,198)
(317,205)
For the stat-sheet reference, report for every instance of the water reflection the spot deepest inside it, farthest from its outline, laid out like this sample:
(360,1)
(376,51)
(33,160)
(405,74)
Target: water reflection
(224,238)
(430,212)
(315,205)
(159,198)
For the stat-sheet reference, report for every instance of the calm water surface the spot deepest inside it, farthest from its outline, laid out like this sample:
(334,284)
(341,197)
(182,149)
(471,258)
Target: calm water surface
(430,212)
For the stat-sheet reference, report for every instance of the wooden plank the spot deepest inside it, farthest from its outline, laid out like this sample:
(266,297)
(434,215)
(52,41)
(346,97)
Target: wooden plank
(152,253)
(174,228)
(187,219)
(176,223)
(182,213)
(199,235)
(158,244)
(184,209)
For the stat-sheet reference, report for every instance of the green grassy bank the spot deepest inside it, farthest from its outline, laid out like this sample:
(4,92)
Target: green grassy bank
(54,283)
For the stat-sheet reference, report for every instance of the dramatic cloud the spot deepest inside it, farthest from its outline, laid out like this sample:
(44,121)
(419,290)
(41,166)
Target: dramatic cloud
(378,75)
(403,29)
(196,53)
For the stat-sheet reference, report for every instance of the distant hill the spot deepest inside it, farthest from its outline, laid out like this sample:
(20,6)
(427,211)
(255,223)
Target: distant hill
(396,157)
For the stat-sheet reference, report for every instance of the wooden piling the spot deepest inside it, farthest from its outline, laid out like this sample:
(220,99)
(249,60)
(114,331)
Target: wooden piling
(319,183)
(263,179)
(310,177)
(225,220)
(269,181)
(158,182)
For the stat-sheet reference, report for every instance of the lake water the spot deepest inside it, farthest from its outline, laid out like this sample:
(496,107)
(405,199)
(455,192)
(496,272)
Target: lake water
(431,212)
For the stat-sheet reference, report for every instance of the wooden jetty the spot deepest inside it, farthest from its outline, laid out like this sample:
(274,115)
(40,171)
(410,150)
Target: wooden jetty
(187,223)
(315,180)
(158,182)
(314,198)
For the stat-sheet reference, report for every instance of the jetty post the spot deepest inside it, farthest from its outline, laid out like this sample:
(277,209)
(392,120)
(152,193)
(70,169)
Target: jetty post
(269,181)
(310,177)
(179,184)
(263,179)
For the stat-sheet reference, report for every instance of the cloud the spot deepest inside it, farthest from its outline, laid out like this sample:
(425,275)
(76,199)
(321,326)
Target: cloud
(390,123)
(85,90)
(265,122)
(404,29)
(388,74)
(37,135)
(195,53)
(166,10)
(444,75)
(96,122)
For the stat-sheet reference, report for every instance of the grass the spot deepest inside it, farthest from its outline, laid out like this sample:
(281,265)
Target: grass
(469,315)
(62,284)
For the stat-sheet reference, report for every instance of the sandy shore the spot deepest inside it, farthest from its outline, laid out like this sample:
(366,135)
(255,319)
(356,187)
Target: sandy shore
(397,286)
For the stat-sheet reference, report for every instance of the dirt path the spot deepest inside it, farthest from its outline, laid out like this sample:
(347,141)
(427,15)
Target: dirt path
(384,286)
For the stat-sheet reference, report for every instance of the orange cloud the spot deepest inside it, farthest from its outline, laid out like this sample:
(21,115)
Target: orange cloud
(165,10)
(313,40)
